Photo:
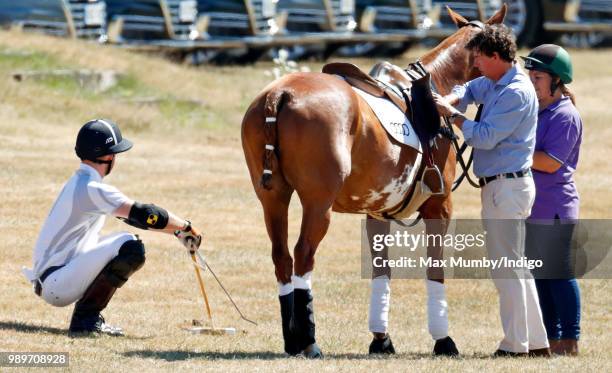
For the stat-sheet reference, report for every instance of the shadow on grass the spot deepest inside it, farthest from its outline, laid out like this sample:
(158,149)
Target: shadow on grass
(22,327)
(177,355)
(30,328)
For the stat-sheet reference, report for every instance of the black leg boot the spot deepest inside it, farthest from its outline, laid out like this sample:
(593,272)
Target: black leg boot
(86,318)
(286,304)
(304,325)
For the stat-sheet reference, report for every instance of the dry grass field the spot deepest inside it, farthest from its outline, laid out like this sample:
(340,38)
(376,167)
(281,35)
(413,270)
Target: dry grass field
(187,157)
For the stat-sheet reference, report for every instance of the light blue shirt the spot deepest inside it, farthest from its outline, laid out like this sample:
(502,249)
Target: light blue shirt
(504,138)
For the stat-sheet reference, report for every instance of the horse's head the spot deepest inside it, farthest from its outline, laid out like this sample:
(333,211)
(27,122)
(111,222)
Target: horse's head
(450,63)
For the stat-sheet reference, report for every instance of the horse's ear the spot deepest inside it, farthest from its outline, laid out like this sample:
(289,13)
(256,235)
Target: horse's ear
(499,16)
(457,18)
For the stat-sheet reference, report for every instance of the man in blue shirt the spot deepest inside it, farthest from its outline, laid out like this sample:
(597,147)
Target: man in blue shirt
(503,140)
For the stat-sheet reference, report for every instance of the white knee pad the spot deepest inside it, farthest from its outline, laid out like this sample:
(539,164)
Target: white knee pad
(380,297)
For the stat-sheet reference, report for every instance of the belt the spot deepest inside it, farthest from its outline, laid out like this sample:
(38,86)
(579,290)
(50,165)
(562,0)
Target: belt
(43,277)
(510,175)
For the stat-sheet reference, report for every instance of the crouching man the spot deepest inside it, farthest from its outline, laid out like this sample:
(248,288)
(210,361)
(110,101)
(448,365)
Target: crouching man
(71,262)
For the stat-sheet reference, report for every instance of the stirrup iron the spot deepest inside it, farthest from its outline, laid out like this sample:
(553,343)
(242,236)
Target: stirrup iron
(436,170)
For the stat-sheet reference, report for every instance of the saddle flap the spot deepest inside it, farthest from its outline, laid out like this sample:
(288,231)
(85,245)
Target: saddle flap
(426,118)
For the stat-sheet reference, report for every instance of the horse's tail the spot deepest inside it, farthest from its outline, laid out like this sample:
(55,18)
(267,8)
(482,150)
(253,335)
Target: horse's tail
(273,105)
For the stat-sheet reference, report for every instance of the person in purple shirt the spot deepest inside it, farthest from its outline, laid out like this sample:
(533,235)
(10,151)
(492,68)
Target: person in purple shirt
(555,210)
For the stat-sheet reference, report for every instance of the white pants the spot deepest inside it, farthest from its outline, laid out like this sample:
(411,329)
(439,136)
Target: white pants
(505,205)
(68,284)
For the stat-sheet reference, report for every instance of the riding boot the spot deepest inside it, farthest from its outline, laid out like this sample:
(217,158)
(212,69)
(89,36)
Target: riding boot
(86,316)
(567,347)
(286,304)
(303,323)
(554,345)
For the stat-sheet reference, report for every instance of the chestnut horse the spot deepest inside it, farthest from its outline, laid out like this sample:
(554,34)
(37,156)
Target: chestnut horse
(313,134)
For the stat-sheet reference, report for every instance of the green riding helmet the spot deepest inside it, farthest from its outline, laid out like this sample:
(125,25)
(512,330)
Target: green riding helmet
(552,59)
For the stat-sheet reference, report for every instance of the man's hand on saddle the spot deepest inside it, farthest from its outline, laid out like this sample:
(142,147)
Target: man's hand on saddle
(444,107)
(189,237)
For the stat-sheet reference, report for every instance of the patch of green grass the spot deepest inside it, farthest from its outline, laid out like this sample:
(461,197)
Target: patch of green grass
(182,112)
(61,84)
(128,86)
(12,59)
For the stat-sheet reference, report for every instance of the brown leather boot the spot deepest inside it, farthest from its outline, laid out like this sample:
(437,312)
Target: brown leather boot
(540,352)
(554,345)
(568,347)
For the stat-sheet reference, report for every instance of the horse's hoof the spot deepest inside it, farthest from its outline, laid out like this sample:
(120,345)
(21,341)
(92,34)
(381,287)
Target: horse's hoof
(382,346)
(445,347)
(291,349)
(312,352)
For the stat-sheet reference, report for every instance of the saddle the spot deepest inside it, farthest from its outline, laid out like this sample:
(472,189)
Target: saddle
(368,83)
(409,90)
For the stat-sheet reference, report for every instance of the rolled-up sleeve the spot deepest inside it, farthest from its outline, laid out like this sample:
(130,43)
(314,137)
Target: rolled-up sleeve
(470,92)
(464,99)
(500,122)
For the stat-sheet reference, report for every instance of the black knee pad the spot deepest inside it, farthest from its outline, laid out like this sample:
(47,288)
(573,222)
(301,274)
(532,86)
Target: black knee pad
(131,258)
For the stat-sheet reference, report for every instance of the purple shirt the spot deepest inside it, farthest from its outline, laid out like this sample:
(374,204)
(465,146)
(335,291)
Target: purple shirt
(559,134)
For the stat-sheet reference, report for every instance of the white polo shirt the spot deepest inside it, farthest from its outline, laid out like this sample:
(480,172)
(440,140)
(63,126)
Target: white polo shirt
(75,220)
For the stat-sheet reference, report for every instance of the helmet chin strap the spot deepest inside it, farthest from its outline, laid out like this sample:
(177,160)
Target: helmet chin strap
(554,84)
(553,87)
(109,164)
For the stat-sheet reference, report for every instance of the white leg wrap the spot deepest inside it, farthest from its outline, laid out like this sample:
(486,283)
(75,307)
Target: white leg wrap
(380,298)
(284,289)
(437,310)
(302,282)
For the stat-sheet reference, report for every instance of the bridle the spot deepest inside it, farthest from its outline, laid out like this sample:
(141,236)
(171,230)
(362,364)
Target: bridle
(459,150)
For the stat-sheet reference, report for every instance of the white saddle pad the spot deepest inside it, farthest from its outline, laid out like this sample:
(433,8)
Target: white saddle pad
(393,119)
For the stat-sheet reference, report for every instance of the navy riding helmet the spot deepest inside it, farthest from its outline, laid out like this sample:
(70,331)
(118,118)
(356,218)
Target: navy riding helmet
(100,137)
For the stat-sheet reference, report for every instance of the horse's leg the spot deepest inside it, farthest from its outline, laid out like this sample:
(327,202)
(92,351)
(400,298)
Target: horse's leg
(380,293)
(275,205)
(315,221)
(437,213)
(275,201)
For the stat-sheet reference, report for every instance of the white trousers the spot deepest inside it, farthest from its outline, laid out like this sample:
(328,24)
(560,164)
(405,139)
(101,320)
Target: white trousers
(69,283)
(505,205)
